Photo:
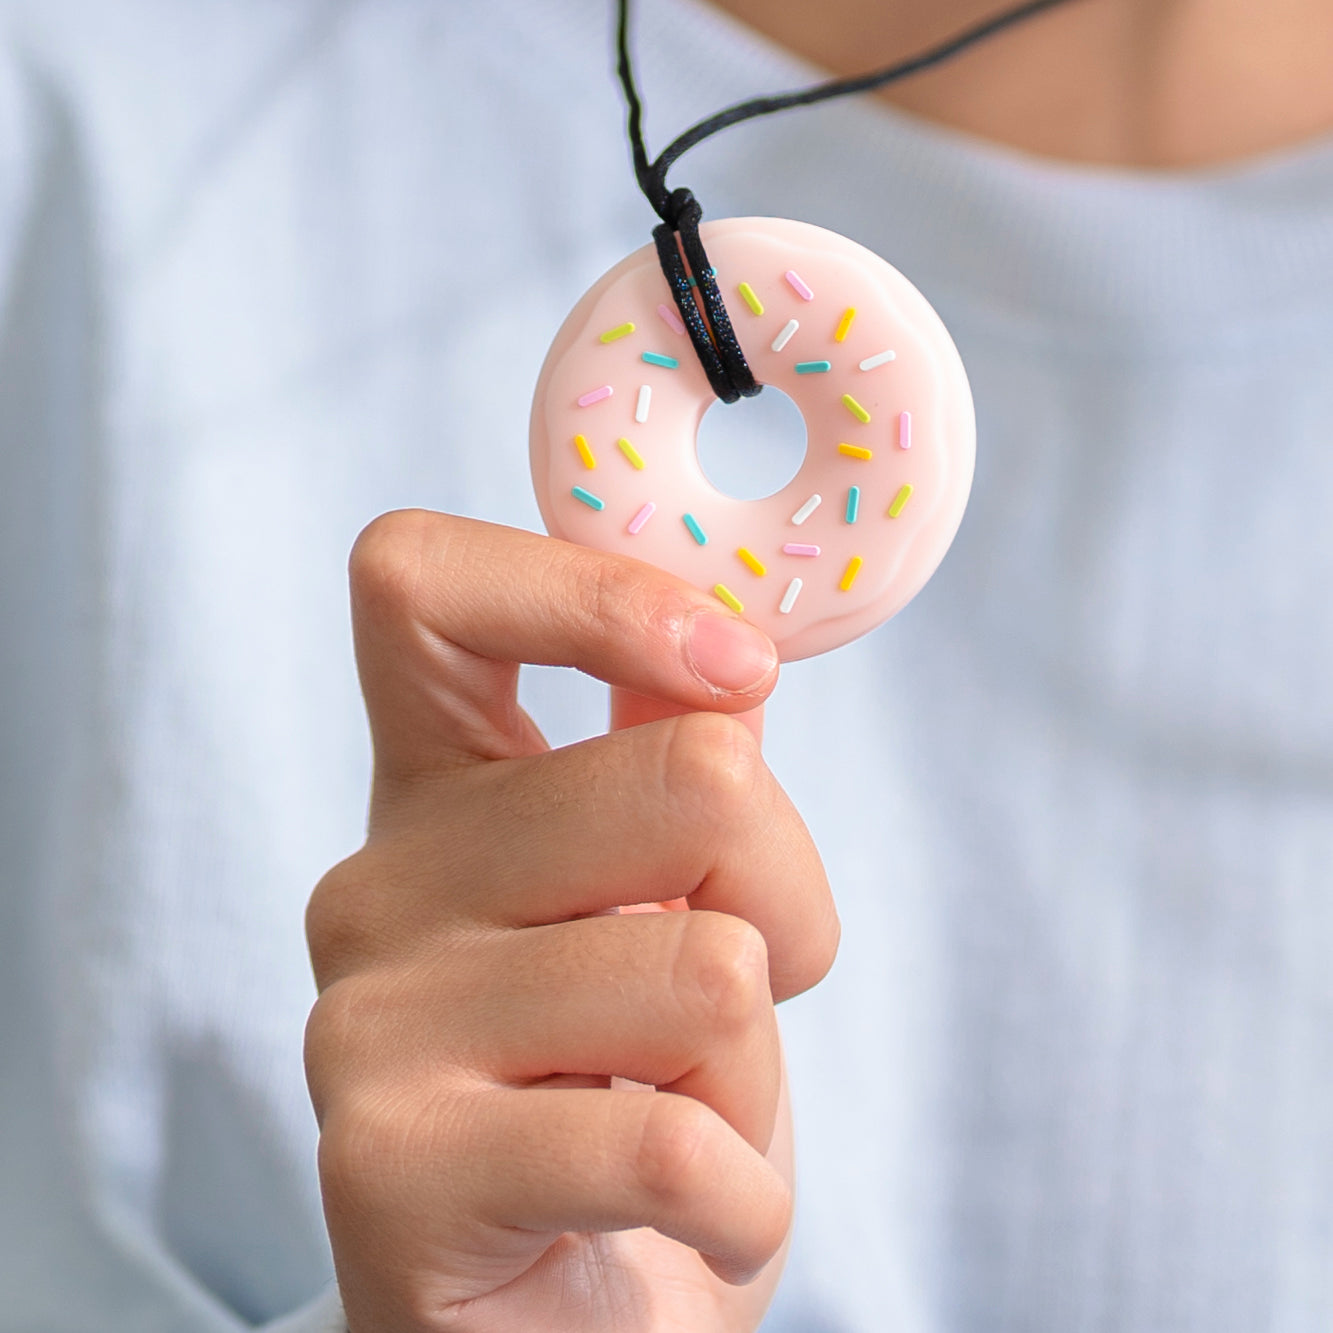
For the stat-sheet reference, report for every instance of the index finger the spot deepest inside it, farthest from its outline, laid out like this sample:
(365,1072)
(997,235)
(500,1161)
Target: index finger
(445,609)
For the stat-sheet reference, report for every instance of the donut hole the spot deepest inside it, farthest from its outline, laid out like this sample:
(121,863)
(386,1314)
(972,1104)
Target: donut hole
(752,448)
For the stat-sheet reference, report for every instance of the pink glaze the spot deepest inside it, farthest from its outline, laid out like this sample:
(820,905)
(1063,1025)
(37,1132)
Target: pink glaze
(924,384)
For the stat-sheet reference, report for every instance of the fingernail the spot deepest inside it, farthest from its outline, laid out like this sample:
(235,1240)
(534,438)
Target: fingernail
(728,653)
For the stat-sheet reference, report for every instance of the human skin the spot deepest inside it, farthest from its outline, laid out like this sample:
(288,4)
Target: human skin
(476,988)
(1156,84)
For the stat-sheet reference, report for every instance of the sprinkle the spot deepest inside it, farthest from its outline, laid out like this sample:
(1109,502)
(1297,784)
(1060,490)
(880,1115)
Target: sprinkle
(904,430)
(849,574)
(639,519)
(799,548)
(899,501)
(657,359)
(724,594)
(852,406)
(630,452)
(879,359)
(595,395)
(784,337)
(585,453)
(673,321)
(753,561)
(798,285)
(853,503)
(588,498)
(807,509)
(813,367)
(641,407)
(695,530)
(789,597)
(620,331)
(844,324)
(748,296)
(855,451)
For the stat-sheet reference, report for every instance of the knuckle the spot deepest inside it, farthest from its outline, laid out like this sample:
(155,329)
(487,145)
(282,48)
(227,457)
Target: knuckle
(381,1134)
(722,971)
(612,600)
(387,560)
(711,766)
(335,921)
(672,1158)
(331,1032)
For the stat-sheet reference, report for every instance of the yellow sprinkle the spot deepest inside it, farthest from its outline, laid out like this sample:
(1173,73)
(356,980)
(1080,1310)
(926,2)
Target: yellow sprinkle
(631,453)
(856,409)
(849,574)
(899,501)
(724,594)
(753,561)
(844,324)
(581,444)
(855,451)
(747,293)
(620,331)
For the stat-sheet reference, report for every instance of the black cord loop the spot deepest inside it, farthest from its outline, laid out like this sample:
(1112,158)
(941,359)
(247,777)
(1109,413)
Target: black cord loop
(710,330)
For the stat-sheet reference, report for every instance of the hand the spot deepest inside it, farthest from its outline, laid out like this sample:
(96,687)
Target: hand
(484,1165)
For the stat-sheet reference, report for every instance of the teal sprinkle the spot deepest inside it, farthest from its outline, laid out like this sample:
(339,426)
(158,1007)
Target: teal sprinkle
(657,359)
(692,281)
(813,367)
(853,502)
(696,531)
(588,498)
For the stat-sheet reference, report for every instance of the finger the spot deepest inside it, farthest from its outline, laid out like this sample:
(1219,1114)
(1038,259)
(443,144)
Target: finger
(680,808)
(680,1000)
(444,608)
(633,710)
(502,1181)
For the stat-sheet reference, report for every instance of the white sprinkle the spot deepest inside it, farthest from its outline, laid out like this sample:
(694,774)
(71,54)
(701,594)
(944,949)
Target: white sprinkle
(806,509)
(881,359)
(645,397)
(789,597)
(784,337)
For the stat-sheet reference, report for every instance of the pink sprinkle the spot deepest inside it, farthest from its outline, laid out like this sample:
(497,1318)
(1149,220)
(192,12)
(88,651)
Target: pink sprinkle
(595,395)
(904,430)
(798,548)
(798,285)
(671,319)
(642,517)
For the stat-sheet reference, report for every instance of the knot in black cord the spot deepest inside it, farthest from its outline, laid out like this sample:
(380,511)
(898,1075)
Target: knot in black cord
(687,271)
(710,328)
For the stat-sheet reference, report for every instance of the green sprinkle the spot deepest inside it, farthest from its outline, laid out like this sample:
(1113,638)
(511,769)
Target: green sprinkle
(855,409)
(657,359)
(695,530)
(588,498)
(749,296)
(813,367)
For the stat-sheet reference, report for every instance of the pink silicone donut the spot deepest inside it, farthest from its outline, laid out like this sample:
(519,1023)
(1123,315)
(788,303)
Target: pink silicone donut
(890,432)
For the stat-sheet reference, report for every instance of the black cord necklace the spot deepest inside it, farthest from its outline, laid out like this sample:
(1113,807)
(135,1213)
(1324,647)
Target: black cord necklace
(710,329)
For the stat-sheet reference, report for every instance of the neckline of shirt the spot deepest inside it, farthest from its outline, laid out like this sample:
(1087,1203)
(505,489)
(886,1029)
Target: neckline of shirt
(1213,248)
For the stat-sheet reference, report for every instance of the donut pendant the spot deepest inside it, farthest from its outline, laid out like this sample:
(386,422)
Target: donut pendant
(891,435)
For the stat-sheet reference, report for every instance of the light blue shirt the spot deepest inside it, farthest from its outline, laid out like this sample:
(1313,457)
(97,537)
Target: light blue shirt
(267,270)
